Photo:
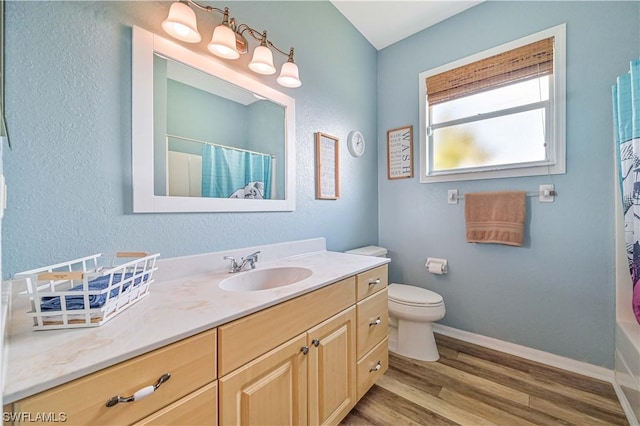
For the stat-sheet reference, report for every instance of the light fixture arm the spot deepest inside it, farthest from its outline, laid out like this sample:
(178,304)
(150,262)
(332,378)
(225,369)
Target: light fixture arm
(288,55)
(226,20)
(262,38)
(205,8)
(240,29)
(181,24)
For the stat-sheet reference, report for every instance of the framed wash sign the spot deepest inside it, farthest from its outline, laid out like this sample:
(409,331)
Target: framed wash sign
(400,153)
(327,167)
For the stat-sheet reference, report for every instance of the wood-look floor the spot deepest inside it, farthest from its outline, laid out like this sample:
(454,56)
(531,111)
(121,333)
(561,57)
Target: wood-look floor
(473,385)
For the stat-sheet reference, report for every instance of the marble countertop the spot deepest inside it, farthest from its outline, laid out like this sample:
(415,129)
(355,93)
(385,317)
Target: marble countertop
(184,300)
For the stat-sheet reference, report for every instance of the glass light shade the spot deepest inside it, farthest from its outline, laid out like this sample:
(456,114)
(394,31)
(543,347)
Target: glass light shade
(223,43)
(181,23)
(289,75)
(262,61)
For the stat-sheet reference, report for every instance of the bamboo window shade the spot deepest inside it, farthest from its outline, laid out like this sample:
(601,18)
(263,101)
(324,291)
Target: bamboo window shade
(522,63)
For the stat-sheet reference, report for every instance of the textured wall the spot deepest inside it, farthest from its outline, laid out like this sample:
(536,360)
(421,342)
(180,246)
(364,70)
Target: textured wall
(68,107)
(557,292)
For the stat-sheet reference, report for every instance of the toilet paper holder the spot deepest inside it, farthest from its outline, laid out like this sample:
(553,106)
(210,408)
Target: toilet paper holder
(436,266)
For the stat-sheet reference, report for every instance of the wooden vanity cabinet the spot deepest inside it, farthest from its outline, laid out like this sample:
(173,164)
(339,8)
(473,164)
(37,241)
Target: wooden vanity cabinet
(333,355)
(309,379)
(246,338)
(191,363)
(372,312)
(304,361)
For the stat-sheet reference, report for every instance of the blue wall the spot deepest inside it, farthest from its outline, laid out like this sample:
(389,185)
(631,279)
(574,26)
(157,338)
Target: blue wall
(68,92)
(556,293)
(69,111)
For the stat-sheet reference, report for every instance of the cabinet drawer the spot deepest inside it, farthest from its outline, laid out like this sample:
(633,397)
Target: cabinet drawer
(371,281)
(368,371)
(191,363)
(373,321)
(199,408)
(247,338)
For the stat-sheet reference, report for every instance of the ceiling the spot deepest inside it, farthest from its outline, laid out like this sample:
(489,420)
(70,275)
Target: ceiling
(384,22)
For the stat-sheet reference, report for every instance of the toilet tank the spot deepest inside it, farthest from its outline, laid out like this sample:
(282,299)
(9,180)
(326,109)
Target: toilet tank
(369,251)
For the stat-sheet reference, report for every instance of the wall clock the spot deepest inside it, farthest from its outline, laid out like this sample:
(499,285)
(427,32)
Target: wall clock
(356,143)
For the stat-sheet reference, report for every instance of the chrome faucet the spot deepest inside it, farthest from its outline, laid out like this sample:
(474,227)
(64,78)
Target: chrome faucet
(248,260)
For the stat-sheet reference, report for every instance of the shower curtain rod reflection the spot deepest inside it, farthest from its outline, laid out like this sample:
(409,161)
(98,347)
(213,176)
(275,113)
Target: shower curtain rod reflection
(218,145)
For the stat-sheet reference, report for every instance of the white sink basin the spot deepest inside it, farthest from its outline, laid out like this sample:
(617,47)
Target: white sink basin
(264,279)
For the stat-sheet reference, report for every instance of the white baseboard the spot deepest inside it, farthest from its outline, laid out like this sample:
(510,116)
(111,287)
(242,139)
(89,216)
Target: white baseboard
(536,355)
(626,406)
(628,377)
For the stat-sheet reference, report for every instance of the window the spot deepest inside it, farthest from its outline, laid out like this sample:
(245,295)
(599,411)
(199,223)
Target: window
(499,113)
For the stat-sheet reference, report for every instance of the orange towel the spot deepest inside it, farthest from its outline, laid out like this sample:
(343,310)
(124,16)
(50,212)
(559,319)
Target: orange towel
(495,217)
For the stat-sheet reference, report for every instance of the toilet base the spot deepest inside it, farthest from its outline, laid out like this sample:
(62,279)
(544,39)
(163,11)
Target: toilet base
(413,340)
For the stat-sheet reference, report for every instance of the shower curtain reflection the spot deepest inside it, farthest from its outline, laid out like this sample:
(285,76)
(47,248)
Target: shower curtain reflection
(233,173)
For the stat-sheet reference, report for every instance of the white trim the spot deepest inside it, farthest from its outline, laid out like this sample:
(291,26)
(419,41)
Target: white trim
(144,44)
(622,370)
(627,344)
(626,406)
(557,153)
(531,354)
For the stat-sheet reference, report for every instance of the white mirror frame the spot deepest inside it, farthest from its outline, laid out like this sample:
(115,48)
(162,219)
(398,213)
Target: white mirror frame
(144,45)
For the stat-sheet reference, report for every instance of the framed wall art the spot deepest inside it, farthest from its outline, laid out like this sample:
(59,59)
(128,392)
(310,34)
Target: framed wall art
(400,153)
(327,167)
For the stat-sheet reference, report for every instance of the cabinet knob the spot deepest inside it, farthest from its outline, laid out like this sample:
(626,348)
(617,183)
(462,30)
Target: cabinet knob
(304,350)
(315,342)
(376,368)
(144,392)
(374,282)
(376,322)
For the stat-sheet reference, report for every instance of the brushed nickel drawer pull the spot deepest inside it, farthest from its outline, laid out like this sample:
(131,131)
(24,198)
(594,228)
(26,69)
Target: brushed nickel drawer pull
(144,392)
(376,368)
(316,342)
(376,322)
(374,282)
(304,350)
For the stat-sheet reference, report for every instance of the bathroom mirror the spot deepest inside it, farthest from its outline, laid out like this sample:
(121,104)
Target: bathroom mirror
(206,138)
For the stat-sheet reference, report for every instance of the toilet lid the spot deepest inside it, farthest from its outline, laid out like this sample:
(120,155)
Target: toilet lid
(369,251)
(412,295)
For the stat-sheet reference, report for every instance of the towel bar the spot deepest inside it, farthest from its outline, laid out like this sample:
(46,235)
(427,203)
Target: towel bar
(546,194)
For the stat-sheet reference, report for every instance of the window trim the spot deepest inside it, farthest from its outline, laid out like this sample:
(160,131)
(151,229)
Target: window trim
(557,123)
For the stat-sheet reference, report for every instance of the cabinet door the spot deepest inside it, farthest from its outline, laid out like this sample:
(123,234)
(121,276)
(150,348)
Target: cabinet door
(332,376)
(270,390)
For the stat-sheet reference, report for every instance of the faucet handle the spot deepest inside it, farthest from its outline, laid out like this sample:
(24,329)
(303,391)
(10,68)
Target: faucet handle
(252,259)
(234,264)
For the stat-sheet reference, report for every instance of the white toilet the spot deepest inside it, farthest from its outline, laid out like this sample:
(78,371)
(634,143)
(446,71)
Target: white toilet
(412,310)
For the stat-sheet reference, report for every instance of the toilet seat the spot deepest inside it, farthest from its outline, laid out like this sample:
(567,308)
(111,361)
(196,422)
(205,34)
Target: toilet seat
(413,296)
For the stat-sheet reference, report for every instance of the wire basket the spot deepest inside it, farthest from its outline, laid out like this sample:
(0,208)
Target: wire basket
(80,293)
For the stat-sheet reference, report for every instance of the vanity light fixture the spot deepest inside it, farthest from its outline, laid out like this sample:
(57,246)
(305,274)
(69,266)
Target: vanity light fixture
(228,40)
